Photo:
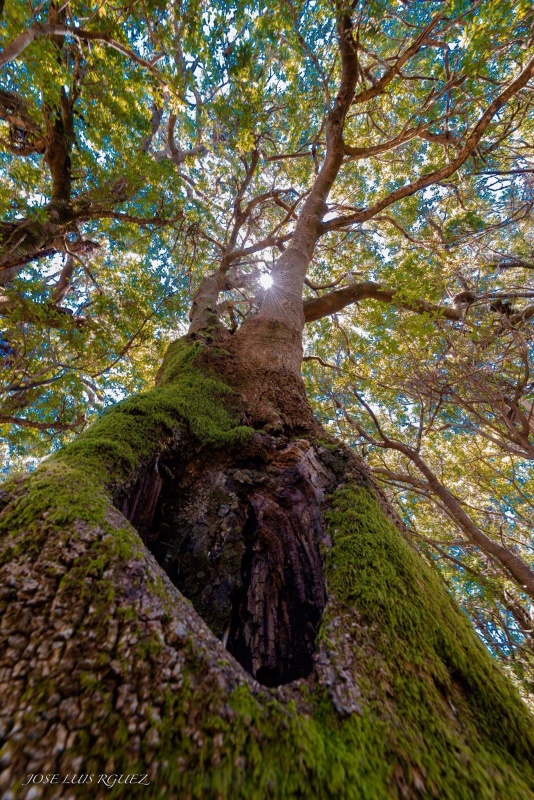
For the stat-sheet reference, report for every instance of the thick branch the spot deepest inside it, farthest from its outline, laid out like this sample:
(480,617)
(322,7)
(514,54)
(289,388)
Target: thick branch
(367,290)
(205,312)
(155,121)
(25,240)
(283,303)
(173,151)
(20,43)
(60,136)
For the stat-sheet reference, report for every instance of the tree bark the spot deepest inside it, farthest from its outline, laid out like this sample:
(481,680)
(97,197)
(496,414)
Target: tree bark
(207,590)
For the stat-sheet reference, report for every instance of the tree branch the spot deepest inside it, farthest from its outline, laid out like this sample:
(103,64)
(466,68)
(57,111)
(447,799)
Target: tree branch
(332,302)
(391,73)
(40,426)
(438,175)
(517,568)
(21,42)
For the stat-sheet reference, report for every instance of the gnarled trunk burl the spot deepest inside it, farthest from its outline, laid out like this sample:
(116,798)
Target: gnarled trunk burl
(259,628)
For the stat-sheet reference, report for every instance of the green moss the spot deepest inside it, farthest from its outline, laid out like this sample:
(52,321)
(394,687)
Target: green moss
(74,483)
(50,499)
(453,717)
(329,445)
(188,397)
(437,719)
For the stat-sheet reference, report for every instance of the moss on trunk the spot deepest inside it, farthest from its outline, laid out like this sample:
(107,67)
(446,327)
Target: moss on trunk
(107,668)
(190,401)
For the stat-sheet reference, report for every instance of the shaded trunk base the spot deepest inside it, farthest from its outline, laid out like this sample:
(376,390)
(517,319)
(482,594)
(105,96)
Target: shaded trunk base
(242,536)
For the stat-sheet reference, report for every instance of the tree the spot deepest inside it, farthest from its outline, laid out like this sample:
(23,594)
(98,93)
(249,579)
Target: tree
(316,651)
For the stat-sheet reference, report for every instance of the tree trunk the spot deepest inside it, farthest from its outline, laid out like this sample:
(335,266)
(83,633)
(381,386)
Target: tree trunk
(206,589)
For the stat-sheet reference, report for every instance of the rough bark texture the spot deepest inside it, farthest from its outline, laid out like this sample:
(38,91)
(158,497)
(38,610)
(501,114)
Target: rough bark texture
(240,536)
(375,685)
